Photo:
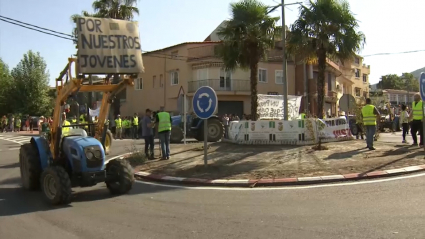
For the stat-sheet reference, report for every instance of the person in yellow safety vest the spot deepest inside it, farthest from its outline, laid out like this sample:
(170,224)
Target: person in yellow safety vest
(84,121)
(370,115)
(74,120)
(303,116)
(135,127)
(118,129)
(127,127)
(416,117)
(18,124)
(163,125)
(65,130)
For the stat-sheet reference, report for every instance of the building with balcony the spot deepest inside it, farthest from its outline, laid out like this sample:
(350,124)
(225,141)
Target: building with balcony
(188,66)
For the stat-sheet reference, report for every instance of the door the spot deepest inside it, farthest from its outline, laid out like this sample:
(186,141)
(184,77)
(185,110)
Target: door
(225,80)
(230,107)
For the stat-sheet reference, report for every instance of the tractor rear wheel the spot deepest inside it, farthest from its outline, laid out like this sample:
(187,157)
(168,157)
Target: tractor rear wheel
(56,185)
(108,142)
(215,130)
(30,166)
(120,176)
(176,135)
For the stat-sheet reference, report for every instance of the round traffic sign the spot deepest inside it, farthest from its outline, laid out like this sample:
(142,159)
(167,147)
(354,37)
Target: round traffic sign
(204,102)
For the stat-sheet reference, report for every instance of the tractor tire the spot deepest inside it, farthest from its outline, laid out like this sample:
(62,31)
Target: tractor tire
(354,130)
(215,130)
(56,185)
(30,167)
(108,142)
(120,177)
(176,135)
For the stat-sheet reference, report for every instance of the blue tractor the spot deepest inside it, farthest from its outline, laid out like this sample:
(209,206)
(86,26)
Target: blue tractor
(195,128)
(67,157)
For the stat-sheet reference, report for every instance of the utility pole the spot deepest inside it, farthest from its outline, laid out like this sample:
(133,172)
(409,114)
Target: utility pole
(284,62)
(284,65)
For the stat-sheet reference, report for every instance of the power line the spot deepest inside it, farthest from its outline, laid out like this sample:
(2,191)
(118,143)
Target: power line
(11,19)
(394,53)
(48,33)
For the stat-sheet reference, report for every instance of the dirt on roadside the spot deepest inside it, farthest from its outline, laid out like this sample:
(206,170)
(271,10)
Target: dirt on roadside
(230,161)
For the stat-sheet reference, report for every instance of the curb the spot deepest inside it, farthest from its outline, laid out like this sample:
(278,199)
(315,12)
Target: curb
(278,181)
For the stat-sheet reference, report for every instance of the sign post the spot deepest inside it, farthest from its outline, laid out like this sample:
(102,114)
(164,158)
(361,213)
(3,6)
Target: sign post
(422,91)
(204,104)
(184,118)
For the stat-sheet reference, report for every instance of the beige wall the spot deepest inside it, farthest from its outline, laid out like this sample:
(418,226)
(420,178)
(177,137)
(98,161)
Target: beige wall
(158,93)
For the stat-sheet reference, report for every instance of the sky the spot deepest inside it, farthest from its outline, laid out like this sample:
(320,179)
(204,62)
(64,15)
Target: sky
(390,26)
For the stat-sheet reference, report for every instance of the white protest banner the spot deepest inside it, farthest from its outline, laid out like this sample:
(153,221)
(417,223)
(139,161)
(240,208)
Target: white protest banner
(108,46)
(94,112)
(333,128)
(271,106)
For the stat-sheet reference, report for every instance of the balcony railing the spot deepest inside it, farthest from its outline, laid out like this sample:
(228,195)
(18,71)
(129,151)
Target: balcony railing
(220,85)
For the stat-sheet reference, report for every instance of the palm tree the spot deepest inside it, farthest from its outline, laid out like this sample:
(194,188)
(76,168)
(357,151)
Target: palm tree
(325,29)
(246,38)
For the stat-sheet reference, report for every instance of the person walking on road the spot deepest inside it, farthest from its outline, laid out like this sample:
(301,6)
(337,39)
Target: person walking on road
(147,134)
(404,121)
(163,125)
(417,119)
(370,116)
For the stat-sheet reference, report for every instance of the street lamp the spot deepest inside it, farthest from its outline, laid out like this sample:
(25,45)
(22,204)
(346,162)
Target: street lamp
(284,63)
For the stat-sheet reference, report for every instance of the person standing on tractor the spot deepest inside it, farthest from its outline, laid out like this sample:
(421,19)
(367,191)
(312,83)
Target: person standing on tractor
(370,117)
(118,125)
(417,119)
(163,125)
(65,130)
(74,120)
(135,126)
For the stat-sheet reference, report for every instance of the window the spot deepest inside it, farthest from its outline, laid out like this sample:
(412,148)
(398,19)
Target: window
(393,97)
(161,81)
(174,77)
(153,81)
(357,72)
(262,75)
(225,79)
(358,92)
(364,78)
(356,60)
(278,77)
(202,74)
(174,54)
(138,84)
(365,94)
(329,81)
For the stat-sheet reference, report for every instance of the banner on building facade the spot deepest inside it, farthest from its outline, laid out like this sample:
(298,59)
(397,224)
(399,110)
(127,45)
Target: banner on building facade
(271,106)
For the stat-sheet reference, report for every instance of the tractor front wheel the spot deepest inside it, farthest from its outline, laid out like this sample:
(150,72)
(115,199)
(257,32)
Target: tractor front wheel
(120,176)
(30,166)
(56,185)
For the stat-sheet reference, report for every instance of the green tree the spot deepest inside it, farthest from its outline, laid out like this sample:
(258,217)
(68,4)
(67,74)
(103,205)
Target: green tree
(404,82)
(325,29)
(31,85)
(5,89)
(247,37)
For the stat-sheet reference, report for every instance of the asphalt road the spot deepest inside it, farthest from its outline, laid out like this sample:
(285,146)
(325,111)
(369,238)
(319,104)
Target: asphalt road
(390,209)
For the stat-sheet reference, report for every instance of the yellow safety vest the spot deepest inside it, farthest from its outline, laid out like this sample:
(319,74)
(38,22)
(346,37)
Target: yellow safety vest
(369,118)
(135,120)
(127,124)
(18,123)
(164,122)
(302,115)
(66,129)
(118,123)
(74,121)
(417,110)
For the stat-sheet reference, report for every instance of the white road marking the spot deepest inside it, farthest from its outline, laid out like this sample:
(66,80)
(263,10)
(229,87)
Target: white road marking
(17,139)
